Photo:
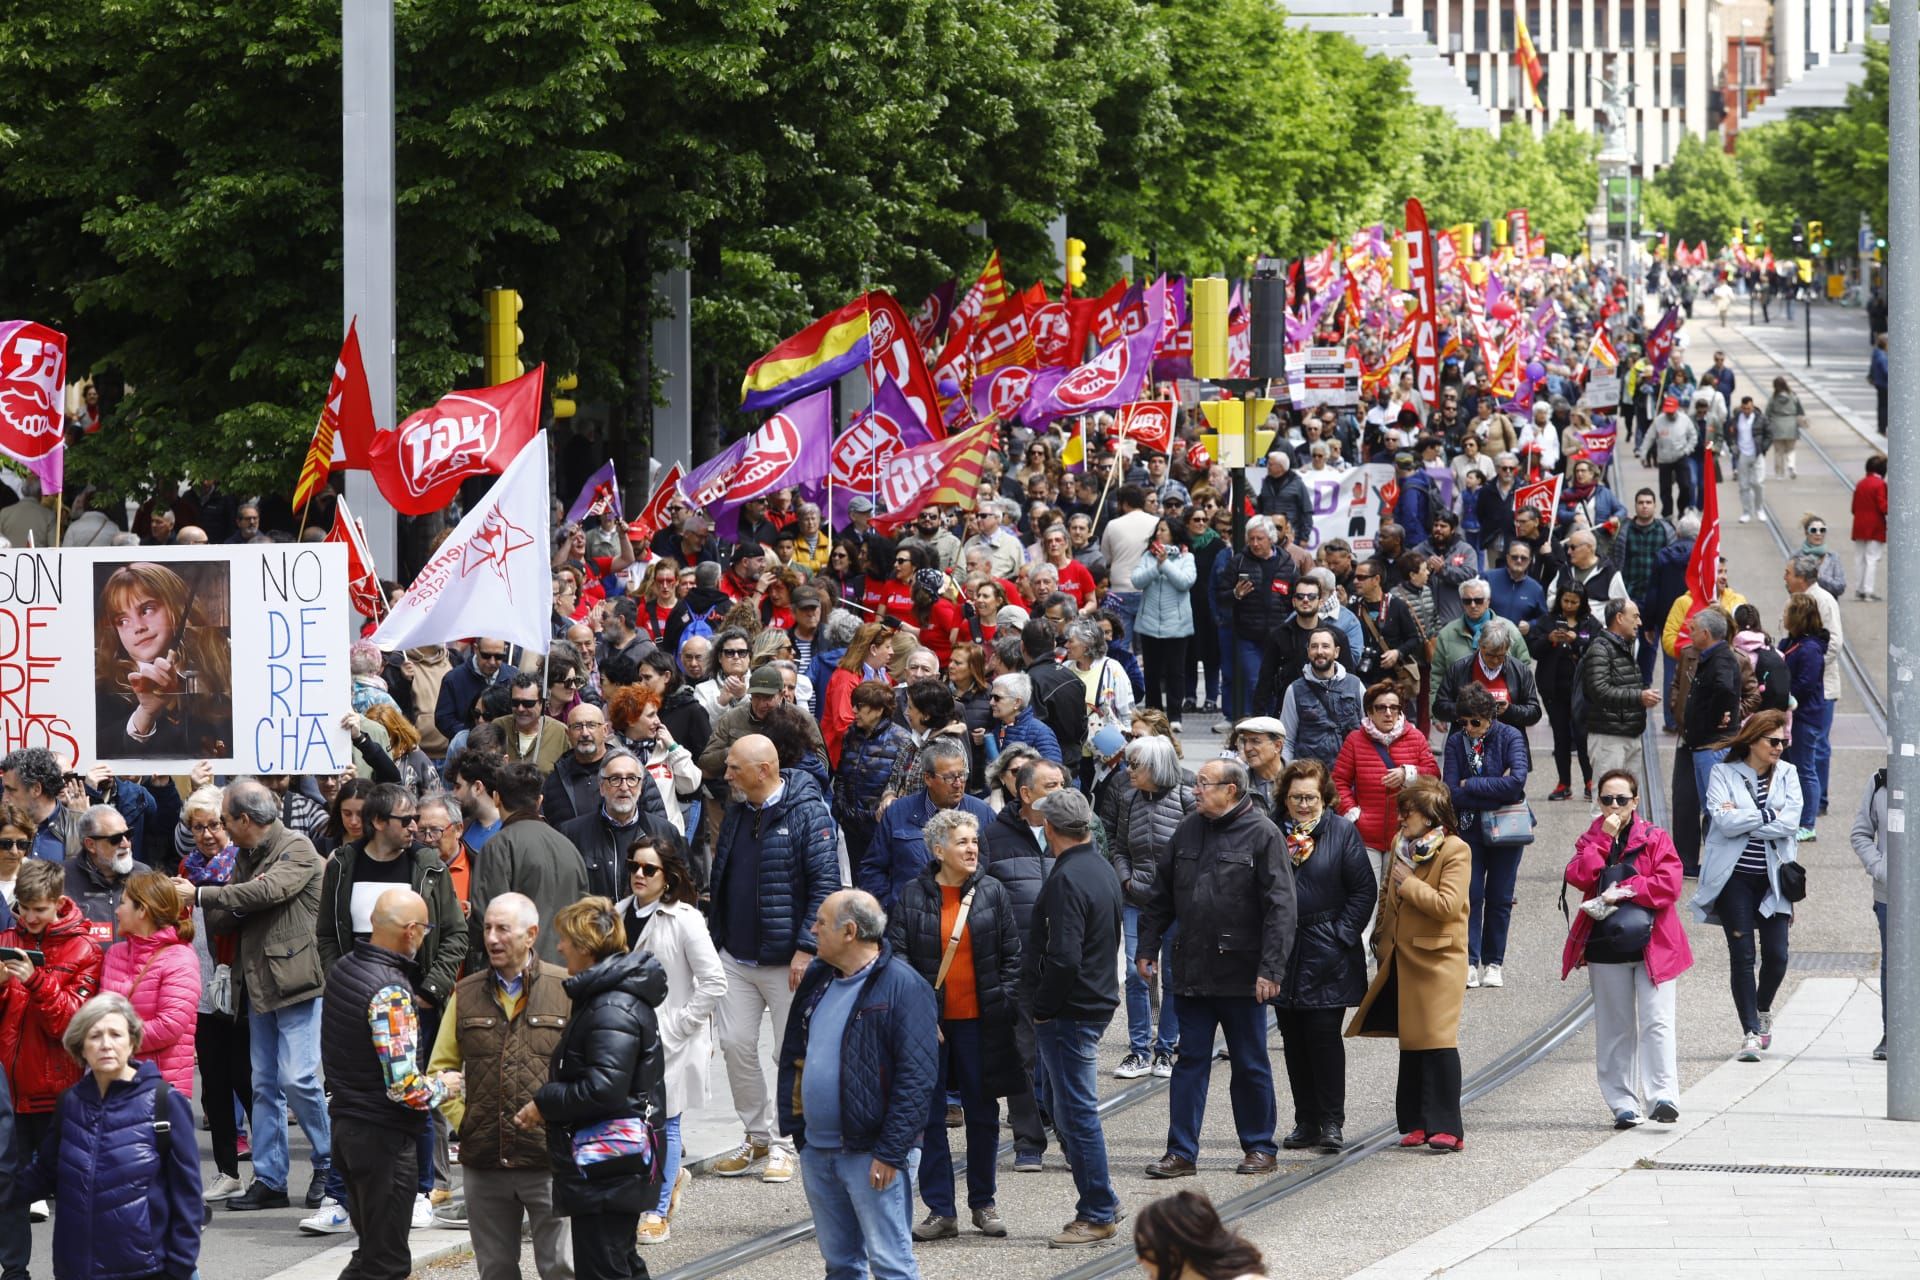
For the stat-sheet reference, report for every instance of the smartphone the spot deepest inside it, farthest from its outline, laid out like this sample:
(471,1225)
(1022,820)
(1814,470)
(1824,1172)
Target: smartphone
(35,958)
(1246,577)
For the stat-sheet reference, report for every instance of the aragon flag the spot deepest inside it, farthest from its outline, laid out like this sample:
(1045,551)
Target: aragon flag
(944,473)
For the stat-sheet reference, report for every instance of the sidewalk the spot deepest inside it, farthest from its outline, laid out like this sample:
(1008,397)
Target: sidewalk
(1807,1175)
(1840,358)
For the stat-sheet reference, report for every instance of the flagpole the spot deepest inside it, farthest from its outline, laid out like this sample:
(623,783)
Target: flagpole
(305,507)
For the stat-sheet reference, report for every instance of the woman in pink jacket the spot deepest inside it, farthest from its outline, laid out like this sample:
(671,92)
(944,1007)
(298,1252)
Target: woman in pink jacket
(1634,946)
(154,966)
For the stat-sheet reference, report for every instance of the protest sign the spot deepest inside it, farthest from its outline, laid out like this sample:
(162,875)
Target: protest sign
(1346,506)
(152,659)
(1322,376)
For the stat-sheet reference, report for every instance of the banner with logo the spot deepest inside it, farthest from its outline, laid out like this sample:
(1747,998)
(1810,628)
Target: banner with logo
(1346,506)
(492,577)
(1116,375)
(944,473)
(420,464)
(152,659)
(1422,273)
(793,447)
(1149,423)
(653,517)
(363,578)
(33,377)
(895,354)
(1323,376)
(863,450)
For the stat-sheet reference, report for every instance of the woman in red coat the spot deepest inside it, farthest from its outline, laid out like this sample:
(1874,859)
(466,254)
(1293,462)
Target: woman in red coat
(1632,942)
(1385,753)
(1870,523)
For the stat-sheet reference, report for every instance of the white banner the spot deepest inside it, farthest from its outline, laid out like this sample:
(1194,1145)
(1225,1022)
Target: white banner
(1348,506)
(1323,376)
(151,659)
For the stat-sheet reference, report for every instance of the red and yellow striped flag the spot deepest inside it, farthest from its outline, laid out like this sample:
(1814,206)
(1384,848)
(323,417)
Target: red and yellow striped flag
(1529,60)
(344,433)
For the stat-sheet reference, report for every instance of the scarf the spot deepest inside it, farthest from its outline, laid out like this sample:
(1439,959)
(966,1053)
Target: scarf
(1818,553)
(1300,839)
(1477,753)
(1578,493)
(1385,737)
(1473,628)
(1421,850)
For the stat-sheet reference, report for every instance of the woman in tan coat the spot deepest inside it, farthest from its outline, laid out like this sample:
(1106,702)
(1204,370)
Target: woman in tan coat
(1421,943)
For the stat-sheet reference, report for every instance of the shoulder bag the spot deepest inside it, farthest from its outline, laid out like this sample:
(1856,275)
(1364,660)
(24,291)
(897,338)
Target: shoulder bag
(1790,875)
(1628,927)
(953,941)
(1509,824)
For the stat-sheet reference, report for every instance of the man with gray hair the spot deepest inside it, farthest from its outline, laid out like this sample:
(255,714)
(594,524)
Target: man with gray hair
(1004,552)
(603,834)
(1069,984)
(857,1110)
(97,879)
(516,1009)
(1239,890)
(272,901)
(1613,698)
(898,852)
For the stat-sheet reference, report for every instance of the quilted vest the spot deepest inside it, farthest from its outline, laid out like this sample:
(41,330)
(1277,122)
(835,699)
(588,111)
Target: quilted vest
(504,1061)
(356,1082)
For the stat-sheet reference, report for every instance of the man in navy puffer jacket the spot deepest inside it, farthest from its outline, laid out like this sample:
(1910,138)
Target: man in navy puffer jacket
(898,853)
(777,859)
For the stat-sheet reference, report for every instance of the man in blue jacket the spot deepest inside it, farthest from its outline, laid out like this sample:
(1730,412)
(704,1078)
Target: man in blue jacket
(487,665)
(858,1058)
(776,861)
(898,853)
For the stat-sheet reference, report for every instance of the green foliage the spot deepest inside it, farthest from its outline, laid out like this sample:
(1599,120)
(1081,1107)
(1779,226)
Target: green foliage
(1829,165)
(1702,195)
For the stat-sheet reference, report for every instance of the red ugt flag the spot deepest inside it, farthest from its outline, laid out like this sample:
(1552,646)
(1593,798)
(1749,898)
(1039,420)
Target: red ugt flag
(1703,566)
(420,464)
(363,580)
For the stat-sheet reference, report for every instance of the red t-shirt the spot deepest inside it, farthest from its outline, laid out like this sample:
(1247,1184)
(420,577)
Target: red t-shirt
(1077,582)
(942,620)
(893,595)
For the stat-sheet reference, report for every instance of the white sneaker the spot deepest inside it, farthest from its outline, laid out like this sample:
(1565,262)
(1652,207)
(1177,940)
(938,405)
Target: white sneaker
(331,1220)
(221,1187)
(422,1212)
(1745,518)
(1473,976)
(38,1211)
(779,1166)
(1750,1047)
(1490,977)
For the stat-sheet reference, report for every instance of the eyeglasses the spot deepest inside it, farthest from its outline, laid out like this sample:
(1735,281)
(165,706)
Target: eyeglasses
(1304,797)
(951,779)
(526,702)
(15,846)
(1365,577)
(1203,783)
(645,870)
(620,779)
(1616,801)
(202,828)
(1473,599)
(1775,742)
(431,834)
(113,837)
(903,559)
(421,925)
(1816,528)
(733,653)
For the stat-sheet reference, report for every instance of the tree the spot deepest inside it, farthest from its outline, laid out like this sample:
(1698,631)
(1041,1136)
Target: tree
(1701,195)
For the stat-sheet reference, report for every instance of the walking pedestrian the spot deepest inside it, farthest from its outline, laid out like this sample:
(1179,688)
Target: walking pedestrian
(1710,714)
(1165,579)
(1156,800)
(154,967)
(1745,436)
(1420,944)
(1805,651)
(1633,945)
(1877,375)
(1233,896)
(1802,574)
(1786,418)
(1335,889)
(1753,808)
(1870,524)
(1869,839)
(1558,644)
(1379,758)
(1070,987)
(1485,770)
(1613,694)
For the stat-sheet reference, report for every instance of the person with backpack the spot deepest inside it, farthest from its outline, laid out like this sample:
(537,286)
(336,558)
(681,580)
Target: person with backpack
(122,1127)
(1633,945)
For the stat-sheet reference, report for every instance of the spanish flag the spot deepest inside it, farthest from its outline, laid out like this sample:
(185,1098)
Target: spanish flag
(835,344)
(1529,59)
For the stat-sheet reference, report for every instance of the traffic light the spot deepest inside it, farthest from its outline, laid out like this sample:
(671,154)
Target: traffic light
(1207,298)
(1076,263)
(563,406)
(1816,232)
(1799,231)
(503,362)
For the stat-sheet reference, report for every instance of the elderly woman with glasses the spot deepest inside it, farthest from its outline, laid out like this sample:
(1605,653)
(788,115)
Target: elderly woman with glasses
(1011,703)
(1753,805)
(1156,797)
(1334,892)
(1486,769)
(1628,935)
(956,927)
(661,915)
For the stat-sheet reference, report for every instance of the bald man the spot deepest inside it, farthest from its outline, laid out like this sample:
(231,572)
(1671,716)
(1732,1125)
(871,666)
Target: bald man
(504,1056)
(776,861)
(379,1091)
(572,788)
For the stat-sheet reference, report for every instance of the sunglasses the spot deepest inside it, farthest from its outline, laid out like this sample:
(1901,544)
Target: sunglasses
(405,819)
(526,702)
(1307,597)
(645,870)
(1616,801)
(1475,722)
(733,653)
(484,656)
(1775,742)
(1816,528)
(15,846)
(1386,706)
(1471,600)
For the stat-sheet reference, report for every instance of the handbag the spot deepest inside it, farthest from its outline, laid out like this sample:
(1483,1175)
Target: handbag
(1793,881)
(1628,928)
(1509,824)
(1405,676)
(613,1148)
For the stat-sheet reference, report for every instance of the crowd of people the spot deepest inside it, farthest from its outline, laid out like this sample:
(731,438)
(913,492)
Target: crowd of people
(926,796)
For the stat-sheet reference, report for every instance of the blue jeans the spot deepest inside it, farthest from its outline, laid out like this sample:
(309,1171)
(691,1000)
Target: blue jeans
(1822,763)
(1140,1037)
(1239,661)
(1126,607)
(1243,1021)
(1803,753)
(963,1067)
(1067,1048)
(861,1229)
(670,1171)
(285,1048)
(1496,869)
(1703,762)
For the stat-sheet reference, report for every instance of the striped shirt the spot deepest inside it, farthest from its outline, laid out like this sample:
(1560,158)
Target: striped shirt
(1753,858)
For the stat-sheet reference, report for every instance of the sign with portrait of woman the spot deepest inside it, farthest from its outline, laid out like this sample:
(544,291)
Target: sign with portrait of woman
(152,659)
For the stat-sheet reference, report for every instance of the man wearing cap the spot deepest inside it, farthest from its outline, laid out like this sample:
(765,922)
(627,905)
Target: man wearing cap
(1261,742)
(772,683)
(746,571)
(808,610)
(859,528)
(1069,983)
(1669,445)
(1159,483)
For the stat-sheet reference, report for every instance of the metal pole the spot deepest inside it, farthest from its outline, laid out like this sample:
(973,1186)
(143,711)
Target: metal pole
(1806,307)
(367,235)
(1903,586)
(673,359)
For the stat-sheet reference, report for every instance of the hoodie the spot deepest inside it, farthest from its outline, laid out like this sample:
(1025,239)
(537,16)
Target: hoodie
(431,663)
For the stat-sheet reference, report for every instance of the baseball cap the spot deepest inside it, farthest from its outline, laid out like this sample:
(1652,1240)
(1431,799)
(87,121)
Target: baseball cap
(1108,742)
(767,680)
(1670,405)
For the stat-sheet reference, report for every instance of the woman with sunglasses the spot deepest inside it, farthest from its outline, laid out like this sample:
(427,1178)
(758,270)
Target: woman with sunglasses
(1833,570)
(661,916)
(1631,941)
(1379,758)
(16,842)
(1486,769)
(1753,808)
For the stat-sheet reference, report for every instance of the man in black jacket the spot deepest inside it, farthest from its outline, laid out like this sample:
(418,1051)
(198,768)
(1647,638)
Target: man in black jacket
(570,789)
(1236,885)
(604,833)
(1613,694)
(1712,713)
(1072,989)
(1286,649)
(1258,582)
(1283,493)
(1059,695)
(1390,632)
(463,685)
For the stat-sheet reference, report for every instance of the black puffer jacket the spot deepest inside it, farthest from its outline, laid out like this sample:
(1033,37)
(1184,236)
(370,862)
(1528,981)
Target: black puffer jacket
(1009,853)
(1523,695)
(609,1066)
(1143,831)
(1229,878)
(914,933)
(1333,893)
(1610,686)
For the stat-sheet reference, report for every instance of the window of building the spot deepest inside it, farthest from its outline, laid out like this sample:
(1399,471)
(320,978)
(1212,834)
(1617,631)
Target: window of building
(1576,24)
(1677,75)
(1473,76)
(1506,29)
(1627,27)
(1653,24)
